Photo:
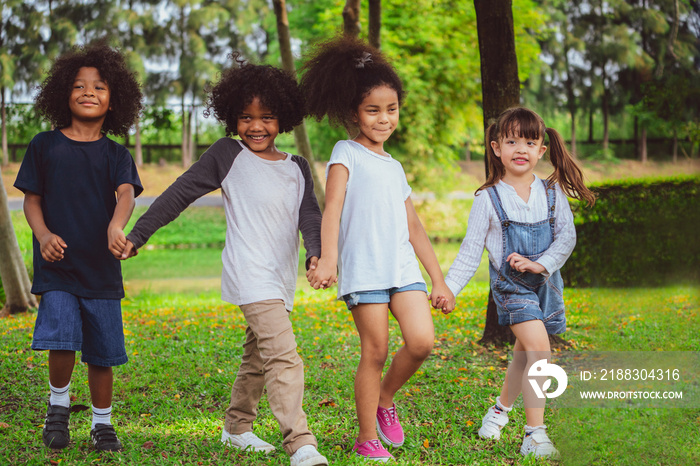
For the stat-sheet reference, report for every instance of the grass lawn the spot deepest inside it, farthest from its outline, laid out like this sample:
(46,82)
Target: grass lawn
(184,346)
(184,350)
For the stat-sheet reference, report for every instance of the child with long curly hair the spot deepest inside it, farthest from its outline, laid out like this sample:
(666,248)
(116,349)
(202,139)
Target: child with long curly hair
(69,177)
(268,198)
(371,233)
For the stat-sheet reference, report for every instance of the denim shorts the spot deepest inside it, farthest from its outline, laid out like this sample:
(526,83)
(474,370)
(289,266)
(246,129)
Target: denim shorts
(380,296)
(92,326)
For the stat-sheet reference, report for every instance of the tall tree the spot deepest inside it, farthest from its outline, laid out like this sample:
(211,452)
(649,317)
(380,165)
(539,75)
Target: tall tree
(300,135)
(22,55)
(13,272)
(500,86)
(375,23)
(351,18)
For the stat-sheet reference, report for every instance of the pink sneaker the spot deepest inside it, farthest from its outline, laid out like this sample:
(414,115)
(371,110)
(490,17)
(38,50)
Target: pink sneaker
(372,450)
(389,427)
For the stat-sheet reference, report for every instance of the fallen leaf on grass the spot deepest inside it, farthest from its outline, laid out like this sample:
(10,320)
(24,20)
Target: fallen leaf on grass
(78,408)
(53,462)
(327,402)
(148,445)
(4,425)
(426,443)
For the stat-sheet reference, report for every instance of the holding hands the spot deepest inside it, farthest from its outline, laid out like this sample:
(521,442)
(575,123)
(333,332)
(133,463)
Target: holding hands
(522,264)
(442,298)
(321,273)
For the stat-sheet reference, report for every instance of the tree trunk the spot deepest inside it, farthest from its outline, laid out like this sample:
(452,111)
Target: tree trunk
(301,137)
(13,273)
(643,145)
(5,151)
(138,148)
(185,146)
(375,23)
(590,124)
(500,90)
(351,18)
(606,112)
(675,146)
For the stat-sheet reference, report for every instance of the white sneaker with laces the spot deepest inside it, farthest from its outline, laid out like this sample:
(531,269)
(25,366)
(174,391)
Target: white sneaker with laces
(246,441)
(537,442)
(494,420)
(308,456)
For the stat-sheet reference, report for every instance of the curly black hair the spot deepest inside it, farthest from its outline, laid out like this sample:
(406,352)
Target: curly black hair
(125,92)
(239,85)
(339,73)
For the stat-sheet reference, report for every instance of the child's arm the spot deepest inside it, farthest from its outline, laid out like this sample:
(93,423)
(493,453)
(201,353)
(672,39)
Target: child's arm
(327,268)
(440,294)
(122,213)
(201,178)
(309,217)
(472,248)
(559,251)
(52,246)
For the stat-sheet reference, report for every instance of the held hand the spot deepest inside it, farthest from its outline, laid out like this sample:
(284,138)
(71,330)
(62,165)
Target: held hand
(52,247)
(323,275)
(116,241)
(313,264)
(129,251)
(442,298)
(522,264)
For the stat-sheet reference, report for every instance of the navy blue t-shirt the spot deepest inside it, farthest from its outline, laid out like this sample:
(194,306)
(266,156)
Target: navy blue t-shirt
(77,182)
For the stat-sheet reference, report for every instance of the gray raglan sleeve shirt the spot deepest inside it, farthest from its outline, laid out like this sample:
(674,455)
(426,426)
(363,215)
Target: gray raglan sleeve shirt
(202,178)
(309,213)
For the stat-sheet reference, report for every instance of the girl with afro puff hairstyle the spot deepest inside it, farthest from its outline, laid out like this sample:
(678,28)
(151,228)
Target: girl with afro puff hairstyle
(371,233)
(69,177)
(268,198)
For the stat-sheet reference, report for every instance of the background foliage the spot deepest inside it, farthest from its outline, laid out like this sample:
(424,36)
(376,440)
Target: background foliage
(638,233)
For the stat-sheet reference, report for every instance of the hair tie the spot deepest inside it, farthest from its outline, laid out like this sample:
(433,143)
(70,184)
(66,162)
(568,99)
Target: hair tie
(364,59)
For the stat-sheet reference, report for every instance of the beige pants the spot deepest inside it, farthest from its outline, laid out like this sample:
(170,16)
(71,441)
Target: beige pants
(270,359)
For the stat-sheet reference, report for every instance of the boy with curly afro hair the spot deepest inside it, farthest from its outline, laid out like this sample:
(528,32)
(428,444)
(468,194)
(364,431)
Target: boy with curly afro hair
(268,198)
(69,177)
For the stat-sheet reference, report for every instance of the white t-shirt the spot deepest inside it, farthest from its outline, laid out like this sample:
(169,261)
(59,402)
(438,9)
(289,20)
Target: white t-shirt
(484,231)
(373,248)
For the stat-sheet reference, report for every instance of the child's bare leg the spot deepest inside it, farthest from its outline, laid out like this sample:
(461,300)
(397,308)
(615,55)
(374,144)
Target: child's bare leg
(412,312)
(61,364)
(100,380)
(533,337)
(372,324)
(512,385)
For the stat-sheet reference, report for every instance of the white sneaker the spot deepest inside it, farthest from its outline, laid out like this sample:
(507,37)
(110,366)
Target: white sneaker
(538,443)
(246,441)
(494,420)
(307,456)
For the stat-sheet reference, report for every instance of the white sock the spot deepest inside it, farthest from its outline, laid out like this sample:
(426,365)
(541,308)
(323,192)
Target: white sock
(501,406)
(529,430)
(59,396)
(101,416)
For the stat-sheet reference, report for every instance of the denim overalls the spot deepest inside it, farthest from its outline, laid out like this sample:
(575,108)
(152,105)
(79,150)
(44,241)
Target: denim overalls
(524,296)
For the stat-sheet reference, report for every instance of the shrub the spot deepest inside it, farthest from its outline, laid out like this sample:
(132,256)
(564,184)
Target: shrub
(639,233)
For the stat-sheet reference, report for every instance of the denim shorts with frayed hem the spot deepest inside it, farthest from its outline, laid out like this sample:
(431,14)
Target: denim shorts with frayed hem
(71,323)
(380,296)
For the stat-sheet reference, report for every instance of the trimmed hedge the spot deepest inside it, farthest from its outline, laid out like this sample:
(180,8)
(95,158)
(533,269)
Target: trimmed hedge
(639,233)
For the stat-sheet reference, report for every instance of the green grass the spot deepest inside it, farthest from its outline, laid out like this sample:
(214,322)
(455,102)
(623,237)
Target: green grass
(184,350)
(184,346)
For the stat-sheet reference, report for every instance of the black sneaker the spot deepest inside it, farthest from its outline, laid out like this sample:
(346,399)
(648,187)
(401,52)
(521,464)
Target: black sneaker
(55,433)
(105,438)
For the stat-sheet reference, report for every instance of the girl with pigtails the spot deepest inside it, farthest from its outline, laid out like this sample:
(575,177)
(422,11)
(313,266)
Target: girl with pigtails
(527,227)
(371,234)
